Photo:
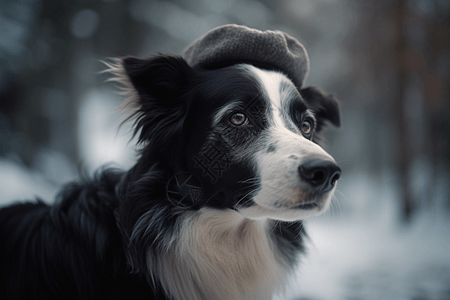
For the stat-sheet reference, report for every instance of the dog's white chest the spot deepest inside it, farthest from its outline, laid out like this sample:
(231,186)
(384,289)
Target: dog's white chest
(221,255)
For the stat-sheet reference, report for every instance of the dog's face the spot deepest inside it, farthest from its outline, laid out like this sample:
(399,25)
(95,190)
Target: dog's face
(247,134)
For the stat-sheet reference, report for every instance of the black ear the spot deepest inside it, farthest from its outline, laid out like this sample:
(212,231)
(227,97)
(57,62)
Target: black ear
(159,84)
(325,107)
(161,77)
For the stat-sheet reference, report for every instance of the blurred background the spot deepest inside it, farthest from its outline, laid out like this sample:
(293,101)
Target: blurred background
(387,234)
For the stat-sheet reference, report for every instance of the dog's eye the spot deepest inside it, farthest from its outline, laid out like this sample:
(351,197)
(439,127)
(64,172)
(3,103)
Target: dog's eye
(306,127)
(238,119)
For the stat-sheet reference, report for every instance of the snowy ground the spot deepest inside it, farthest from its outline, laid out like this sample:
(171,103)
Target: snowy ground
(359,254)
(18,183)
(355,260)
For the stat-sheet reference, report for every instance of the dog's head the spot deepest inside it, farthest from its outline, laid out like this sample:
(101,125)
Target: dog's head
(247,134)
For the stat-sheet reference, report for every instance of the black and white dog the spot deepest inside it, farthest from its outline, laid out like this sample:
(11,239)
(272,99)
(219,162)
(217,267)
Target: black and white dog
(213,209)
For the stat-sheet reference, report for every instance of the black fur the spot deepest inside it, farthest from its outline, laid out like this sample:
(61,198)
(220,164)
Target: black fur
(70,250)
(92,243)
(326,107)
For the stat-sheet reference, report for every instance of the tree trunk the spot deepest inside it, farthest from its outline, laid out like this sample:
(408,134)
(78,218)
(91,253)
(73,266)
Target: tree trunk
(404,152)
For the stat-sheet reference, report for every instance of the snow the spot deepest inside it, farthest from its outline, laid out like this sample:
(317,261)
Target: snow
(100,140)
(18,183)
(354,260)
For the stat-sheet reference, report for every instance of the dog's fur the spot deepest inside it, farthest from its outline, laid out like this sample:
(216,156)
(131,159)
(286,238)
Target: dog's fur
(118,235)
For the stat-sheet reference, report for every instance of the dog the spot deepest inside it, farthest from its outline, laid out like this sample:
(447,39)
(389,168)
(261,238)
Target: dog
(229,166)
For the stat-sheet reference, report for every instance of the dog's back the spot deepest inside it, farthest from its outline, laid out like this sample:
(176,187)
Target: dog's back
(71,250)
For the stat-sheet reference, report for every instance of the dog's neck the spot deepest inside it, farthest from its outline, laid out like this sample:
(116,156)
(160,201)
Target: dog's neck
(220,255)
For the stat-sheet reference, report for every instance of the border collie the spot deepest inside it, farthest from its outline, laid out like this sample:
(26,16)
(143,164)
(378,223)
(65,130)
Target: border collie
(229,167)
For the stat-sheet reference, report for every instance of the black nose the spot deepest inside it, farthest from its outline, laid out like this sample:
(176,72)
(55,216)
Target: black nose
(320,174)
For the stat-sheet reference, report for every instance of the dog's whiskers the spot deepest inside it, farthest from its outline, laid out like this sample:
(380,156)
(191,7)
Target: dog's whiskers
(243,197)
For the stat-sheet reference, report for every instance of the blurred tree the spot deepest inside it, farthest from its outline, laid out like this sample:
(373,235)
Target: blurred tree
(434,71)
(402,47)
(16,20)
(404,155)
(60,67)
(47,110)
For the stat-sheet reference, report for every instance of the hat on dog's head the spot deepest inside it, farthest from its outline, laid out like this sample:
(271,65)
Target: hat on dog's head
(232,44)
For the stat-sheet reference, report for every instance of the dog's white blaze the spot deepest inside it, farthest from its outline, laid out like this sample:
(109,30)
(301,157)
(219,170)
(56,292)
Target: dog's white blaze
(219,254)
(280,182)
(271,83)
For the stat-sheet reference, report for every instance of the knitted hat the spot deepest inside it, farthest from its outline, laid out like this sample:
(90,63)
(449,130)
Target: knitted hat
(232,44)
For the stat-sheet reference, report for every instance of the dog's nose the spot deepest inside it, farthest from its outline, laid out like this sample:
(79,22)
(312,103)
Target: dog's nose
(320,174)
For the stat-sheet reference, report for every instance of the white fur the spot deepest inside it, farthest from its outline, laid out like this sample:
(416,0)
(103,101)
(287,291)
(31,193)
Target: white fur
(221,255)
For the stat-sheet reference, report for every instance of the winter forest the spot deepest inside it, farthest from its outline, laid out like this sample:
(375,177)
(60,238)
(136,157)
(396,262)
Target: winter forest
(387,234)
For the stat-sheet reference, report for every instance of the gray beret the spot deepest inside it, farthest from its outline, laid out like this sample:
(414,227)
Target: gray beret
(232,44)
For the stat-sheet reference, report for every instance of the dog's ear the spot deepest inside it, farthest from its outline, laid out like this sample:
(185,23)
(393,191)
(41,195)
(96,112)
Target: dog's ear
(157,85)
(325,107)
(160,77)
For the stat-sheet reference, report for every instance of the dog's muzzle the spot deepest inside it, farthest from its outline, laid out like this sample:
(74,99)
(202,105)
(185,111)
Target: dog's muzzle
(321,175)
